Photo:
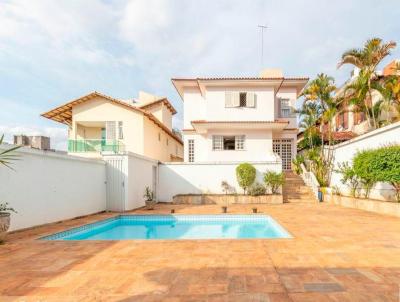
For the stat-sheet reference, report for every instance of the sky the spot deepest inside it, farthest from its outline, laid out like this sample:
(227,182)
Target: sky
(53,51)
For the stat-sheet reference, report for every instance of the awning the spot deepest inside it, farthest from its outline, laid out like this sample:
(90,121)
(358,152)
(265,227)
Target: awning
(203,126)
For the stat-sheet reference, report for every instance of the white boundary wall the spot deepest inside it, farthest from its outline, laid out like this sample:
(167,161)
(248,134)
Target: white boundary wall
(197,178)
(48,186)
(137,172)
(346,151)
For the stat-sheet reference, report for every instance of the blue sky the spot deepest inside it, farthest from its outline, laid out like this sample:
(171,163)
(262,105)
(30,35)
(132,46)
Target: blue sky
(54,51)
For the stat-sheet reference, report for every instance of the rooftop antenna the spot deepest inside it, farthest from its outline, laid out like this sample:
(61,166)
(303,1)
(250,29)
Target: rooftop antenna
(263,27)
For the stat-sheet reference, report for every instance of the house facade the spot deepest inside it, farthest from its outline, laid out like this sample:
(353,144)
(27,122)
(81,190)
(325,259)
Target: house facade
(99,124)
(350,121)
(240,119)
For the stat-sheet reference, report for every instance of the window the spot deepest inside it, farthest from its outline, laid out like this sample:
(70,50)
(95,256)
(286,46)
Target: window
(167,141)
(120,130)
(242,99)
(191,150)
(111,132)
(220,142)
(176,150)
(239,99)
(285,108)
(239,142)
(159,136)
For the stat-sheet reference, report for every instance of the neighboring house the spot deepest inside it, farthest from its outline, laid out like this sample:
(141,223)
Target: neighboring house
(240,119)
(350,123)
(99,124)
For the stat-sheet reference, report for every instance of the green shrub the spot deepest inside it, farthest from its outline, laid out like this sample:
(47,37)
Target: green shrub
(297,162)
(274,180)
(257,189)
(384,165)
(245,174)
(364,170)
(349,177)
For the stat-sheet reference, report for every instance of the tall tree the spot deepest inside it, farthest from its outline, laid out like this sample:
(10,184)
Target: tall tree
(367,59)
(320,91)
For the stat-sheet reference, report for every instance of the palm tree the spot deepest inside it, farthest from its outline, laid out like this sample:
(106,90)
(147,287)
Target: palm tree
(7,156)
(309,114)
(320,91)
(367,59)
(391,91)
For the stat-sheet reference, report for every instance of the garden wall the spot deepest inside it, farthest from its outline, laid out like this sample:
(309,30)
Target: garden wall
(376,206)
(227,199)
(345,152)
(48,186)
(202,178)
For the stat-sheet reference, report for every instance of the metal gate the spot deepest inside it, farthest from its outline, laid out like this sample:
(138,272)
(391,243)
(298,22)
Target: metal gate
(283,147)
(115,183)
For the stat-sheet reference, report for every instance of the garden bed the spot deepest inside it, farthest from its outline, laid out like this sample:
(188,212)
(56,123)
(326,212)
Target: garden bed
(226,199)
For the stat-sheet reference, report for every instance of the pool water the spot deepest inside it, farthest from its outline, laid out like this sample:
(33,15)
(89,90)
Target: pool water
(125,227)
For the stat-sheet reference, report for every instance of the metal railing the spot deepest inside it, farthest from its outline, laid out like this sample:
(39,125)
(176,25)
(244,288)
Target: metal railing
(95,145)
(310,180)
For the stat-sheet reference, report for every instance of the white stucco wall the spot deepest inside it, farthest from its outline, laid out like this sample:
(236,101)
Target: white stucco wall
(372,140)
(196,178)
(211,107)
(258,146)
(140,176)
(47,187)
(136,173)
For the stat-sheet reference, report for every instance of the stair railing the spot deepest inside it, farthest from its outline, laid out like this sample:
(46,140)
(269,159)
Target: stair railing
(310,180)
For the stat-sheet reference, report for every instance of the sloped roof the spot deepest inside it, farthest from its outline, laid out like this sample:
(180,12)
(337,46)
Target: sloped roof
(161,100)
(63,113)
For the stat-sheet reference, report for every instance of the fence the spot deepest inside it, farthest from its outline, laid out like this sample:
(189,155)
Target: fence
(46,186)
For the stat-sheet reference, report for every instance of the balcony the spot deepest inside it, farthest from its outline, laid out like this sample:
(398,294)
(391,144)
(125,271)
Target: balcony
(95,145)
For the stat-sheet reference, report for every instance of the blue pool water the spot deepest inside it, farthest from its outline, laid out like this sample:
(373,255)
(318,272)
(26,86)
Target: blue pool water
(176,227)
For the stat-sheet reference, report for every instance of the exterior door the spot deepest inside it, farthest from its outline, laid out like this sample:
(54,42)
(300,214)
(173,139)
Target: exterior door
(115,184)
(283,147)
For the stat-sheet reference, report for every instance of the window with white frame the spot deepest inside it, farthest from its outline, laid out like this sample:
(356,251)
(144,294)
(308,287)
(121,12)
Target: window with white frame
(191,150)
(239,99)
(120,130)
(228,142)
(286,110)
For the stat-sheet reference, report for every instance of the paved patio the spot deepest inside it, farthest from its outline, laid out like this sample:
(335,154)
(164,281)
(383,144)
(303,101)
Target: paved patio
(337,254)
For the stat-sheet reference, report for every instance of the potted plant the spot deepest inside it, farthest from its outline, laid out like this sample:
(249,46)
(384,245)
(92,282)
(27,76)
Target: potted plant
(225,188)
(5,219)
(149,199)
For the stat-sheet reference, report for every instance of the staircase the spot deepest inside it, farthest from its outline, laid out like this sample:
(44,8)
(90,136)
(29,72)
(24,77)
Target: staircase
(296,191)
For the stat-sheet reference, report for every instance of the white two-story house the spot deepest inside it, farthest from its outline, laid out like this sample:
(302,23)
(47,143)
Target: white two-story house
(240,119)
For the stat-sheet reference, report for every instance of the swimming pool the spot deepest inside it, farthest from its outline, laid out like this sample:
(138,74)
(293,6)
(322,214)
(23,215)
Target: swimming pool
(124,227)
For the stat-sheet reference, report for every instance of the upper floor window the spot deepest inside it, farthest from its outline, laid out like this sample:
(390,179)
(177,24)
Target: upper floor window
(120,130)
(240,99)
(286,110)
(221,142)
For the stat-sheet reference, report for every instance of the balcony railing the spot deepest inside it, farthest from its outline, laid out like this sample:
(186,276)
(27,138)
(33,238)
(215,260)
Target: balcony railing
(95,145)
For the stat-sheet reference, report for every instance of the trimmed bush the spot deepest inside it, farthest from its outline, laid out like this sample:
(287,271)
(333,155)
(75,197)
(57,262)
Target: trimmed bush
(245,174)
(257,189)
(274,181)
(384,165)
(364,170)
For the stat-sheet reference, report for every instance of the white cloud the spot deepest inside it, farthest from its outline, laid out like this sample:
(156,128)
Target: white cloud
(52,51)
